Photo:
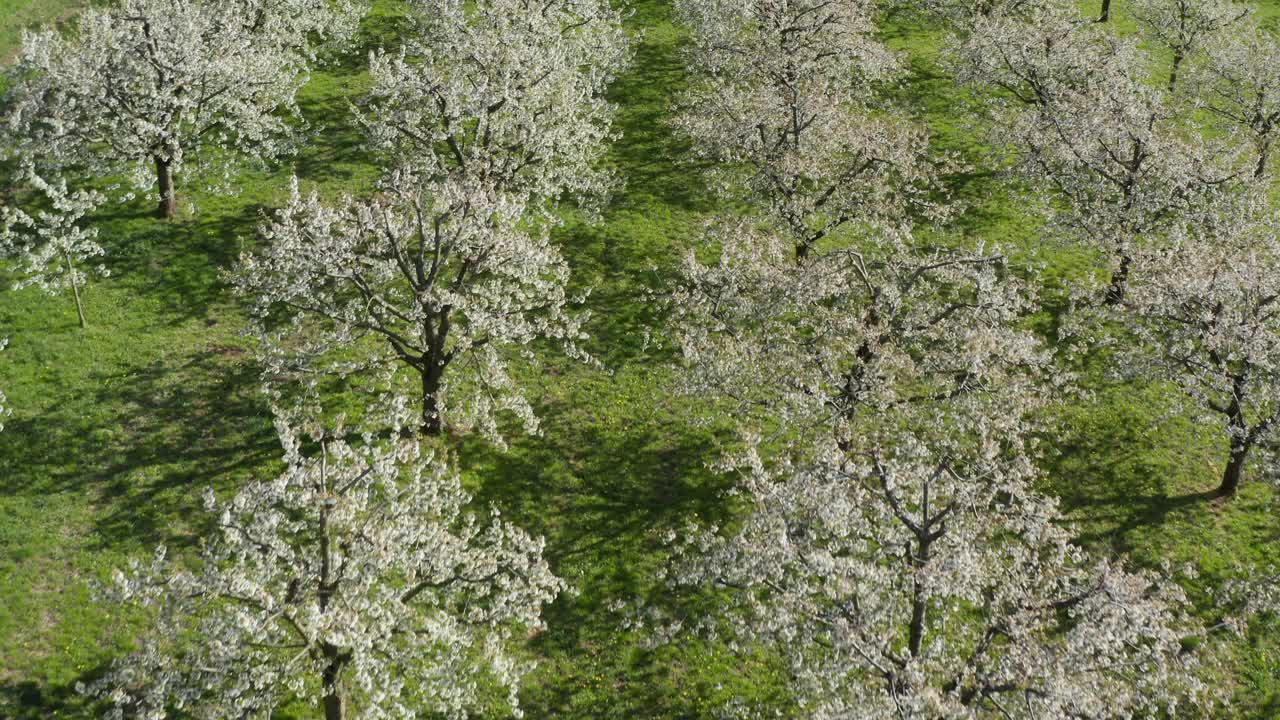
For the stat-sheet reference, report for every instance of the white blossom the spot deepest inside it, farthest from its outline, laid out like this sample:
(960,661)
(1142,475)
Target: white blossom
(831,306)
(962,14)
(454,279)
(489,115)
(1205,314)
(1237,79)
(927,579)
(853,331)
(153,89)
(305,26)
(1184,27)
(354,581)
(502,94)
(780,101)
(49,245)
(1117,160)
(1254,592)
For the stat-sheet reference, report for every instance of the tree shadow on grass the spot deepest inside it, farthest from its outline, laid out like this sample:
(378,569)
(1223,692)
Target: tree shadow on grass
(178,264)
(146,444)
(31,700)
(335,152)
(655,162)
(606,477)
(649,222)
(1125,463)
(623,267)
(381,28)
(953,116)
(1113,518)
(211,429)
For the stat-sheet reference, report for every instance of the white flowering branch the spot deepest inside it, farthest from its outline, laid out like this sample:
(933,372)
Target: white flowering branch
(354,582)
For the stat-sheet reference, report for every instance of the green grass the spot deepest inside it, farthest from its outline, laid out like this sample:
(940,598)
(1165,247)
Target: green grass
(117,429)
(19,15)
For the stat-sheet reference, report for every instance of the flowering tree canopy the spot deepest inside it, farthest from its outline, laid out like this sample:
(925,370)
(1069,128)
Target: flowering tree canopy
(506,96)
(353,580)
(491,113)
(305,26)
(779,100)
(1185,26)
(1081,123)
(412,280)
(1206,314)
(153,89)
(899,582)
(1237,80)
(851,333)
(961,15)
(894,548)
(832,304)
(49,245)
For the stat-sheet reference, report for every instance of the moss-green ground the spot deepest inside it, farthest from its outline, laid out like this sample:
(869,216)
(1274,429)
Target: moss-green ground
(116,429)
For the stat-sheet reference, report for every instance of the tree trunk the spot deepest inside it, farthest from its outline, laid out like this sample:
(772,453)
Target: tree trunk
(1105,15)
(164,181)
(1119,282)
(75,289)
(335,705)
(1260,169)
(1242,440)
(432,365)
(915,641)
(432,424)
(1173,71)
(1235,467)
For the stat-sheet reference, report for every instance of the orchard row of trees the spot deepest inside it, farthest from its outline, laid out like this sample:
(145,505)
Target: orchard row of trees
(359,580)
(895,547)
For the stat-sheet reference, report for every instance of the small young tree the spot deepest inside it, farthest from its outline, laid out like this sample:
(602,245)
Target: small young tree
(1238,82)
(507,95)
(450,277)
(51,246)
(153,89)
(1209,305)
(354,582)
(925,578)
(780,101)
(1186,26)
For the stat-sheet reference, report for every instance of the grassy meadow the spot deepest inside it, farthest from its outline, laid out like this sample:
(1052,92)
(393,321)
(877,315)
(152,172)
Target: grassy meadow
(116,429)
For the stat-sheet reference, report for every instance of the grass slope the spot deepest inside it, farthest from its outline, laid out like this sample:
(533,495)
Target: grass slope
(19,15)
(117,429)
